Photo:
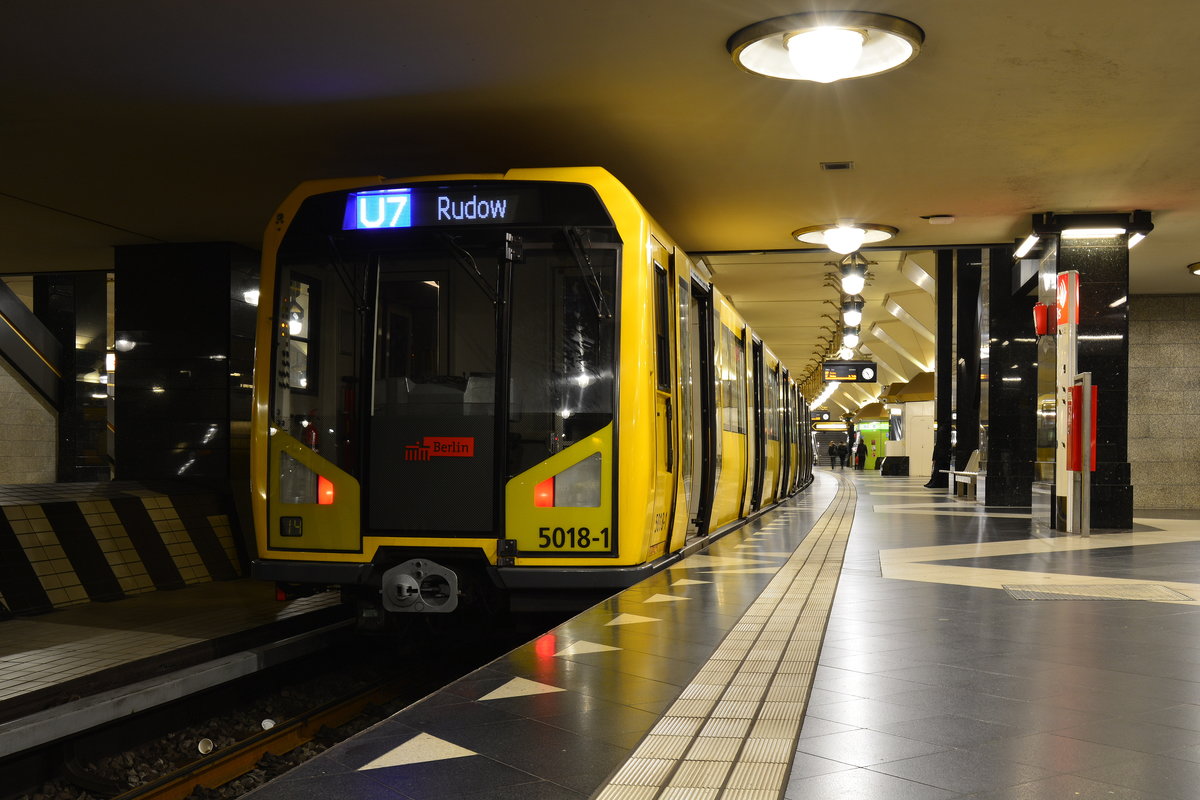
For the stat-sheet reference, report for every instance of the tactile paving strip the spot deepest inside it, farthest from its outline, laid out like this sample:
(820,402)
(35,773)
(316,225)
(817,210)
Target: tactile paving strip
(1104,591)
(733,731)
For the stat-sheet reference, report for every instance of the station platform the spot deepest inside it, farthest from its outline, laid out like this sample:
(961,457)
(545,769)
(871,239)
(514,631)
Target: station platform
(78,667)
(867,639)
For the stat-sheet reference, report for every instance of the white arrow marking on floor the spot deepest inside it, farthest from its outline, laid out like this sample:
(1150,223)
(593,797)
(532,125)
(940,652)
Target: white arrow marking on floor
(663,598)
(520,687)
(580,647)
(687,582)
(418,750)
(630,619)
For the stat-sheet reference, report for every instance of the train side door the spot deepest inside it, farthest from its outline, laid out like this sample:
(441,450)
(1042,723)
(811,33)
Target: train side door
(665,381)
(697,385)
(786,438)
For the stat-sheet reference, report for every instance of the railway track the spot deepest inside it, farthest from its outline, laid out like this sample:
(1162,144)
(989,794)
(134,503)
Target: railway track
(154,754)
(220,767)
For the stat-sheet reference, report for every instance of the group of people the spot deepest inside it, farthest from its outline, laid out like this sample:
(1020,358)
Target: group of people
(840,451)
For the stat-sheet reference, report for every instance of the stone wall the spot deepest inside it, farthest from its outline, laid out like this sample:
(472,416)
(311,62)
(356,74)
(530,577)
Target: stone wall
(28,433)
(1164,400)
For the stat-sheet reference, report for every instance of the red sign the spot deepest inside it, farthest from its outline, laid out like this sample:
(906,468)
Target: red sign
(440,447)
(1074,423)
(1067,300)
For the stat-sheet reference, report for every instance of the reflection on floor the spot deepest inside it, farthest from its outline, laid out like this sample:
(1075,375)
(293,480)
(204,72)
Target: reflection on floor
(932,680)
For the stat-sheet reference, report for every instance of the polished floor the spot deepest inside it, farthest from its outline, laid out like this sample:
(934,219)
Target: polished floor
(932,679)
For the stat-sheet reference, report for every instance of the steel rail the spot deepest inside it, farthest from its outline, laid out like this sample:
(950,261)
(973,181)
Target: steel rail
(221,767)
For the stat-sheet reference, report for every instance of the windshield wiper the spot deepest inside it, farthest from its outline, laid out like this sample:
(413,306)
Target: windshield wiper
(575,238)
(467,262)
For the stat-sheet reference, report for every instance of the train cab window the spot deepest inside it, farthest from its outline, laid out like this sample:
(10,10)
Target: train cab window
(662,339)
(298,314)
(563,339)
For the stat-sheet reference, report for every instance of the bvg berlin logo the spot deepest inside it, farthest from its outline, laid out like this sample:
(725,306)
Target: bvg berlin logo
(440,447)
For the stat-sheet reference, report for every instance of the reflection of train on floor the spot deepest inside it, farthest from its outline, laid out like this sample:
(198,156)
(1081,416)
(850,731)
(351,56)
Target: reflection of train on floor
(478,384)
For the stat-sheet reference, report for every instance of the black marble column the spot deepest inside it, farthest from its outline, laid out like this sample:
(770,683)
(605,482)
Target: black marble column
(74,307)
(184,339)
(966,333)
(1012,384)
(943,407)
(1103,350)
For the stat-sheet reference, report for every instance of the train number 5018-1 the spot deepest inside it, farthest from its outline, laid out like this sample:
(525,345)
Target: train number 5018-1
(572,538)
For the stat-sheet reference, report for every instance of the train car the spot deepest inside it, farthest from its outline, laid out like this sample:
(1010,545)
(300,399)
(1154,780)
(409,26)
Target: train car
(470,388)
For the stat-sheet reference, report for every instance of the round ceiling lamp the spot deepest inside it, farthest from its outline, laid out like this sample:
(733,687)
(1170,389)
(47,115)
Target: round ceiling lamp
(854,274)
(845,236)
(1194,268)
(826,46)
(852,312)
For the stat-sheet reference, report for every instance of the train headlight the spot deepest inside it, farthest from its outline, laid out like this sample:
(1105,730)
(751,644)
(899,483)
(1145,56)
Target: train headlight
(299,484)
(577,486)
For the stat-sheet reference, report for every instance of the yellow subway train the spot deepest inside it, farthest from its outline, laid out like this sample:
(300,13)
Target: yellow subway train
(475,388)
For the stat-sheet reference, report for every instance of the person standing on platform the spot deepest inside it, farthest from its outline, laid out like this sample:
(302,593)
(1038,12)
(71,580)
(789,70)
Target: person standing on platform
(833,455)
(842,452)
(861,460)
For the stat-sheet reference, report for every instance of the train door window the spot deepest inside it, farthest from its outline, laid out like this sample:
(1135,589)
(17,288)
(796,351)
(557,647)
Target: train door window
(409,353)
(299,309)
(733,381)
(662,318)
(773,406)
(686,381)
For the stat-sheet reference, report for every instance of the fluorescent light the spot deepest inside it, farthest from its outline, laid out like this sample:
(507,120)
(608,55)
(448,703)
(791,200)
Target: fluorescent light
(1026,246)
(1091,233)
(1134,238)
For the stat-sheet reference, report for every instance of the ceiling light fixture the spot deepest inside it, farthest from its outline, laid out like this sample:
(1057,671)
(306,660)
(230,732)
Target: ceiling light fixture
(854,274)
(850,337)
(1194,268)
(845,236)
(826,46)
(852,311)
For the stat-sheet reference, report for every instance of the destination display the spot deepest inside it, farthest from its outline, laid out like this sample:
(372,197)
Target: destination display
(390,209)
(851,371)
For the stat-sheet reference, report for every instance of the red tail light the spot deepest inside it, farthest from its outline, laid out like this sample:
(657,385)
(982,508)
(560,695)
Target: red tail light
(324,491)
(543,494)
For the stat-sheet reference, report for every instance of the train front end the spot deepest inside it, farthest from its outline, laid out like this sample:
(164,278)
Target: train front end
(436,393)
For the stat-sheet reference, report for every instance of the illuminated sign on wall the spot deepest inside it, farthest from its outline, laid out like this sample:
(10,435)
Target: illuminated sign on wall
(851,371)
(383,209)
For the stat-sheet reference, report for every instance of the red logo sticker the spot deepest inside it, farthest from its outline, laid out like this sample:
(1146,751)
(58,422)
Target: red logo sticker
(440,447)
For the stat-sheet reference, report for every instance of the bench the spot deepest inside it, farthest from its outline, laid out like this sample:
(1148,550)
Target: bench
(965,477)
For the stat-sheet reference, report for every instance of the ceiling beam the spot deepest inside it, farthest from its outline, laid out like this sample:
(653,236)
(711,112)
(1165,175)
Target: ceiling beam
(884,361)
(920,268)
(896,308)
(880,333)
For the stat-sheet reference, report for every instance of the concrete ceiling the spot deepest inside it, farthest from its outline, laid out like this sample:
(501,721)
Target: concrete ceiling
(143,121)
